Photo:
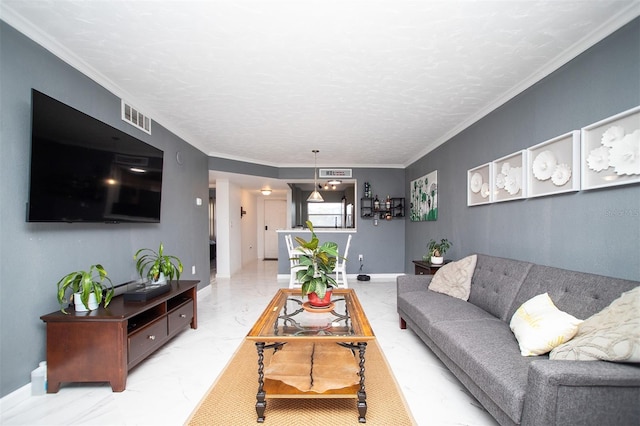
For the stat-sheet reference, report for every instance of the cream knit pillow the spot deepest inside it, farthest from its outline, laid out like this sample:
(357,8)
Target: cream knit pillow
(454,279)
(612,334)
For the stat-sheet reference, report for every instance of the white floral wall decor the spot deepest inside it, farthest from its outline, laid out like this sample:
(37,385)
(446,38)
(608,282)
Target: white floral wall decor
(510,177)
(479,184)
(554,165)
(611,151)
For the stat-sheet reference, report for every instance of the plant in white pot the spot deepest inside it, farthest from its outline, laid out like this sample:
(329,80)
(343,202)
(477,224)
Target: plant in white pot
(437,250)
(87,289)
(316,262)
(158,266)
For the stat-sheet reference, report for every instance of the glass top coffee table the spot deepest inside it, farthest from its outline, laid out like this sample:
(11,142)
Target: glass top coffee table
(288,318)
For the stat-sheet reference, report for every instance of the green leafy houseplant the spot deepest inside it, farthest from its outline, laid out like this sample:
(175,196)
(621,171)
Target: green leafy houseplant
(316,262)
(85,283)
(156,262)
(438,249)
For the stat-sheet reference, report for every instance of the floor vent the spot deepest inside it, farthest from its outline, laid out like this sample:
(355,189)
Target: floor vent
(135,117)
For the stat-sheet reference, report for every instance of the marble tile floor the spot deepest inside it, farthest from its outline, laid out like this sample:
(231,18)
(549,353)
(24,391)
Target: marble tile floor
(165,388)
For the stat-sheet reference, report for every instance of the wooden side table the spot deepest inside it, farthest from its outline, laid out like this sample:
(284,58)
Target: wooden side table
(426,268)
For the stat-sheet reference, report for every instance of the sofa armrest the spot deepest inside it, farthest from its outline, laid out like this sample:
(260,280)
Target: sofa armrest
(407,283)
(582,393)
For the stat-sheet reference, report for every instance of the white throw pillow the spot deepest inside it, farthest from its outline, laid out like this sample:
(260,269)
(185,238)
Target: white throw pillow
(540,326)
(612,334)
(454,279)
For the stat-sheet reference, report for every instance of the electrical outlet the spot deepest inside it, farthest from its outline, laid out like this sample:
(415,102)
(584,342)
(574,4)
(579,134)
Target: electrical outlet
(193,270)
(360,257)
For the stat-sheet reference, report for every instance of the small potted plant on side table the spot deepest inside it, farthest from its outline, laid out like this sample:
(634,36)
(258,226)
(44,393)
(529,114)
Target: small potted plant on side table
(87,289)
(316,262)
(437,251)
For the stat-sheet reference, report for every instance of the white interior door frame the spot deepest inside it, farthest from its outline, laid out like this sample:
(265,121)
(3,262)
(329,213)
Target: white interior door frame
(275,217)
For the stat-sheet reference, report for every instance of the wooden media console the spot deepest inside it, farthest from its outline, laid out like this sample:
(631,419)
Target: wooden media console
(104,344)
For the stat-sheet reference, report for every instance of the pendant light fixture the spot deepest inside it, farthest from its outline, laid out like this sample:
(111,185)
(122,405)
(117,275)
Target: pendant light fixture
(315,196)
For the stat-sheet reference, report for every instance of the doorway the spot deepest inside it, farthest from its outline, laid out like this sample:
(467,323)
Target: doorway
(275,217)
(212,232)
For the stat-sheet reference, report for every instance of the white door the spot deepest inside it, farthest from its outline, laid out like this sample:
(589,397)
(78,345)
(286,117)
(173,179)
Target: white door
(275,217)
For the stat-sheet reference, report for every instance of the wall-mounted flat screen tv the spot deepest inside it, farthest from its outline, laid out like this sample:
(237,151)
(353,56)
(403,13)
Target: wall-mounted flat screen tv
(83,170)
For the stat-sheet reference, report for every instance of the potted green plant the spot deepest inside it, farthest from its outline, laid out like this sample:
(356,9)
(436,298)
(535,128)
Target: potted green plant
(158,266)
(87,289)
(315,262)
(437,250)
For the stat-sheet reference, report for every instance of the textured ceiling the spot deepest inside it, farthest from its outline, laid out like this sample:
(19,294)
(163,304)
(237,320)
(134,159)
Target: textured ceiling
(368,83)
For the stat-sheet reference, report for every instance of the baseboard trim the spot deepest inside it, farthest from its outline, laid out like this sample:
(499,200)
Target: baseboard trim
(204,291)
(15,398)
(354,277)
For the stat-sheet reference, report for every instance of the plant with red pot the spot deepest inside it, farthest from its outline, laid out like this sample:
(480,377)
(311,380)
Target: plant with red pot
(316,263)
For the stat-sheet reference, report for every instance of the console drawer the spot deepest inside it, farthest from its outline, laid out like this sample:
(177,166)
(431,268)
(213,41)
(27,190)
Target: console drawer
(180,317)
(147,339)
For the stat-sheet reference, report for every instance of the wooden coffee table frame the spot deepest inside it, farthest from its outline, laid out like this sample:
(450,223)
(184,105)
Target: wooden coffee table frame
(360,332)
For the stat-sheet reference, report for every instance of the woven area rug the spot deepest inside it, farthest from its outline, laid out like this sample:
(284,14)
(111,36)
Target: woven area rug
(231,399)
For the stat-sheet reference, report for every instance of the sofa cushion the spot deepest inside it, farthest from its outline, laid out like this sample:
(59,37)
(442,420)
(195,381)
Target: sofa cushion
(539,326)
(612,334)
(495,283)
(488,353)
(577,293)
(407,283)
(454,279)
(426,307)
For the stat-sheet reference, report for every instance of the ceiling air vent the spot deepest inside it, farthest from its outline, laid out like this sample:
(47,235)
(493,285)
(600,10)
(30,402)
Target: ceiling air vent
(334,173)
(135,117)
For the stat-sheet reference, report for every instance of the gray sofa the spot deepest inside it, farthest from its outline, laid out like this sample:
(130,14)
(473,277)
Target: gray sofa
(474,341)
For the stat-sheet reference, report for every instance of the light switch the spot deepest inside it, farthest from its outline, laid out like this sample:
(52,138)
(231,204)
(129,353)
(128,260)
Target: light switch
(198,201)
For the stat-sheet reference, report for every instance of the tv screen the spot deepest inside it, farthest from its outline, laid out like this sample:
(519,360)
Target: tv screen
(83,170)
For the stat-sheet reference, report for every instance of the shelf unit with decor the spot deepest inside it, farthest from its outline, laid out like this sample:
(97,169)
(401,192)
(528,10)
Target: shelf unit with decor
(396,208)
(366,208)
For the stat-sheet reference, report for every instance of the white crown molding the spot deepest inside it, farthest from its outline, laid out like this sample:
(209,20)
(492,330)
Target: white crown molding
(286,165)
(32,32)
(616,22)
(35,34)
(15,20)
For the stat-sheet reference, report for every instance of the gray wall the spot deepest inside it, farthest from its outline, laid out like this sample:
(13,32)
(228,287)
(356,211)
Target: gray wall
(568,231)
(35,255)
(235,166)
(595,231)
(382,246)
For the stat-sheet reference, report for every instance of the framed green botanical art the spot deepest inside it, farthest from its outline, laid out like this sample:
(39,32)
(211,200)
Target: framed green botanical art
(424,198)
